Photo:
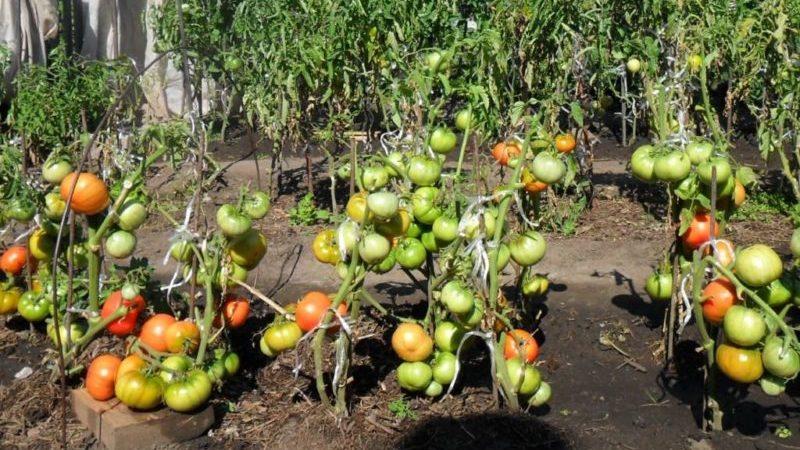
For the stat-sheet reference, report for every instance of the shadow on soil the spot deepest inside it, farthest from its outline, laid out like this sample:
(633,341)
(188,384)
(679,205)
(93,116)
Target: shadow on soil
(491,430)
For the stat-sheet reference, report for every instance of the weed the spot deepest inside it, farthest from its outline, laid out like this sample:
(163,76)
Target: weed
(402,409)
(307,213)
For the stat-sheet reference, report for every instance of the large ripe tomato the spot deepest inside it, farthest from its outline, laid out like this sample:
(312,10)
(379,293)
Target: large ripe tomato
(547,168)
(311,310)
(777,362)
(410,253)
(126,324)
(182,337)
(699,231)
(132,363)
(525,380)
(444,367)
(443,140)
(565,143)
(643,163)
(154,330)
(90,196)
(521,339)
(414,376)
(457,297)
(423,205)
(232,222)
(9,299)
(120,244)
(235,311)
(13,260)
(281,337)
(527,249)
(374,248)
(411,343)
(248,249)
(383,204)
(719,295)
(424,171)
(743,326)
(503,152)
(132,215)
(739,364)
(758,265)
(448,335)
(672,167)
(188,393)
(101,376)
(139,391)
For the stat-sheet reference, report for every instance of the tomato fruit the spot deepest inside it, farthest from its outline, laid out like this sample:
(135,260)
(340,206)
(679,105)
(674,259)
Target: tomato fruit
(20,210)
(325,247)
(535,285)
(396,161)
(699,231)
(386,264)
(357,207)
(542,395)
(718,297)
(743,326)
(423,205)
(565,143)
(795,243)
(503,256)
(672,167)
(472,225)
(699,151)
(464,120)
(777,362)
(532,184)
(517,340)
(154,331)
(131,363)
(643,163)
(723,167)
(9,298)
(76,331)
(633,65)
(739,364)
(758,265)
(13,260)
(126,324)
(256,205)
(411,343)
(235,311)
(526,380)
(347,235)
(120,244)
(139,391)
(779,292)
(374,178)
(188,393)
(383,204)
(457,298)
(505,151)
(445,228)
(659,286)
(725,252)
(174,366)
(695,62)
(181,251)
(443,140)
(54,207)
(55,170)
(281,337)
(739,194)
(373,248)
(473,318)
(311,309)
(410,253)
(231,362)
(414,376)
(548,168)
(33,306)
(90,196)
(424,171)
(41,245)
(248,249)
(182,336)
(395,226)
(444,367)
(772,385)
(132,215)
(232,222)
(101,375)
(527,249)
(437,62)
(448,335)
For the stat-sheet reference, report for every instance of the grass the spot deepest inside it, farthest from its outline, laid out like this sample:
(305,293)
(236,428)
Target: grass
(764,205)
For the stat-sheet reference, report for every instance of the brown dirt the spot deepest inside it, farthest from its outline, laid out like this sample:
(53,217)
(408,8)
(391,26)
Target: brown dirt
(599,401)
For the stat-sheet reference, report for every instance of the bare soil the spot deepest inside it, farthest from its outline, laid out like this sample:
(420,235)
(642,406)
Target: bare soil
(600,400)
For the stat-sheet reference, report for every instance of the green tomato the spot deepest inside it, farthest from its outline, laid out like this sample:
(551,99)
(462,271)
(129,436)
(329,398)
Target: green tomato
(542,395)
(643,163)
(53,206)
(777,362)
(414,376)
(695,62)
(672,167)
(659,286)
(723,167)
(181,251)
(743,326)
(373,248)
(448,335)
(387,264)
(746,175)
(76,331)
(256,205)
(443,140)
(758,265)
(525,380)
(473,318)
(472,225)
(434,389)
(699,151)
(503,256)
(232,363)
(535,285)
(33,306)
(55,170)
(398,161)
(547,168)
(120,244)
(383,205)
(189,393)
(444,367)
(794,244)
(423,205)
(20,210)
(374,178)
(779,292)
(527,249)
(281,337)
(347,234)
(772,385)
(139,391)
(457,298)
(410,253)
(633,65)
(231,222)
(424,171)
(216,371)
(464,120)
(437,61)
(414,230)
(445,228)
(172,367)
(132,215)
(248,249)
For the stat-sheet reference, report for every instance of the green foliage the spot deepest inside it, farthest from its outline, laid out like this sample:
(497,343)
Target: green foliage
(762,205)
(402,409)
(307,213)
(5,61)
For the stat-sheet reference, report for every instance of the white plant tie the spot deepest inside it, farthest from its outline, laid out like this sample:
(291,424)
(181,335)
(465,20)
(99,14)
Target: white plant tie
(340,239)
(521,210)
(486,337)
(182,233)
(686,303)
(172,283)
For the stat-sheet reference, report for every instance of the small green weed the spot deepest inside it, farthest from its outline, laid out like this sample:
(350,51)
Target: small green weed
(307,213)
(402,409)
(762,205)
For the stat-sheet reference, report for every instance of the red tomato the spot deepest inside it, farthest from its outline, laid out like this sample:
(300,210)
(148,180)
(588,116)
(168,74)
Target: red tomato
(13,260)
(719,295)
(126,324)
(101,376)
(235,311)
(505,151)
(311,309)
(699,231)
(182,337)
(514,339)
(153,331)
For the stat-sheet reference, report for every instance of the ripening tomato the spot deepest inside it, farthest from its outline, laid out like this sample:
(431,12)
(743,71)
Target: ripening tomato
(41,245)
(13,260)
(132,363)
(90,195)
(532,185)
(699,231)
(189,392)
(725,252)
(357,207)
(248,249)
(517,339)
(280,337)
(182,337)
(411,342)
(154,329)
(718,297)
(9,300)
(139,391)
(235,311)
(126,324)
(503,152)
(312,308)
(739,364)
(565,143)
(101,376)
(739,194)
(326,247)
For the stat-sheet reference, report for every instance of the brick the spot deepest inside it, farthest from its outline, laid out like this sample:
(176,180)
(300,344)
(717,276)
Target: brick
(119,428)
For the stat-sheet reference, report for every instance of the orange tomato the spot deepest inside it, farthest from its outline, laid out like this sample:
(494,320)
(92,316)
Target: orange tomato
(90,195)
(505,150)
(411,342)
(565,143)
(718,296)
(13,260)
(739,364)
(234,311)
(739,194)
(101,376)
(725,252)
(310,311)
(517,339)
(154,330)
(132,363)
(532,185)
(699,231)
(182,336)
